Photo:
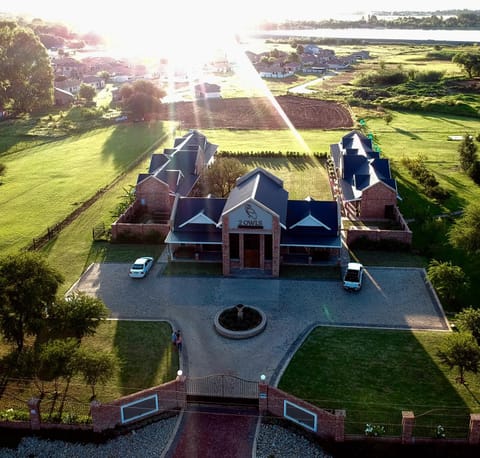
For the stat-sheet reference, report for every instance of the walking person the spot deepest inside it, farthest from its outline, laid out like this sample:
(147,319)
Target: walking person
(174,338)
(178,340)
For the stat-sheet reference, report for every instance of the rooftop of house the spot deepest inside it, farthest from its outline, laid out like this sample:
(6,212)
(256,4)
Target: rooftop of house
(360,166)
(177,166)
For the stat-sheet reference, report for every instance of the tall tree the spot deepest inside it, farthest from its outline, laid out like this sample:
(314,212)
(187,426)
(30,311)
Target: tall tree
(467,151)
(28,286)
(465,232)
(87,92)
(470,61)
(78,315)
(221,176)
(97,367)
(460,350)
(26,75)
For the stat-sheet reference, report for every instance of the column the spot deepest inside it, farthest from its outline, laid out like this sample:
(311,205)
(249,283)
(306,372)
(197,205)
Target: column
(34,409)
(474,429)
(408,421)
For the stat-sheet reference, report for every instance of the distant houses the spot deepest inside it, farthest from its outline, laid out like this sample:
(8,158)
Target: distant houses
(313,59)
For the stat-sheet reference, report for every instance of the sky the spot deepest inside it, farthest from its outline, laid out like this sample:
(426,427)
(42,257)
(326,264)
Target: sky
(204,23)
(109,14)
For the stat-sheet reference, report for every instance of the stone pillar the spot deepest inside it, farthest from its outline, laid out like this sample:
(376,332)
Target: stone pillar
(34,409)
(181,389)
(263,398)
(340,425)
(97,418)
(408,421)
(474,429)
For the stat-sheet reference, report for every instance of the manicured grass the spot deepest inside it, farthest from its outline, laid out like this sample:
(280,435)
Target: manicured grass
(46,183)
(146,358)
(375,374)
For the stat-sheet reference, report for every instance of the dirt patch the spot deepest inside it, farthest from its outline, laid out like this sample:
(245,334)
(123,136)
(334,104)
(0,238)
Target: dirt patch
(258,113)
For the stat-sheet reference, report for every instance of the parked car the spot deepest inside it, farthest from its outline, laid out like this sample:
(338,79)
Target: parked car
(352,280)
(140,267)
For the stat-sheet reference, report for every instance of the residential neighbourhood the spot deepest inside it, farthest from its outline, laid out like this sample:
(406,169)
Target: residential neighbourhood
(321,302)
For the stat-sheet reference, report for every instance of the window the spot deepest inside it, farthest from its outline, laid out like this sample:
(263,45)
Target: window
(234,246)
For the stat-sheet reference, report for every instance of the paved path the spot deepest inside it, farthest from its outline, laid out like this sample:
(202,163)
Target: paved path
(390,298)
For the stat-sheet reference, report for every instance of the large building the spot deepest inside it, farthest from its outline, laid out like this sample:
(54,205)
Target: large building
(257,228)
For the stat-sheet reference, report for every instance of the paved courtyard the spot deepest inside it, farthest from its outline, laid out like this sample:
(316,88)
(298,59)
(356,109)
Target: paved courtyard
(396,298)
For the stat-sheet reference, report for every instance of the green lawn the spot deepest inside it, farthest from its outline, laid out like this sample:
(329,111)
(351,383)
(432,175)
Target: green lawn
(45,183)
(146,358)
(375,374)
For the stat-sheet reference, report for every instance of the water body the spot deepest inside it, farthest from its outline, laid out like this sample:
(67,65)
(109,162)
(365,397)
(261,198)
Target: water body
(424,35)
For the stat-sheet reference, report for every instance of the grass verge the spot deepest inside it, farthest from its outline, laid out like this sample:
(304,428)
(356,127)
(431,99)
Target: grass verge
(375,374)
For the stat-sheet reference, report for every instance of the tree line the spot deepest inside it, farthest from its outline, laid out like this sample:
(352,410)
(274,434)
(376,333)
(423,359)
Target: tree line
(45,332)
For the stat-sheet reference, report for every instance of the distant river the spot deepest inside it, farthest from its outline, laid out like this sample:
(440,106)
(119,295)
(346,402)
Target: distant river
(460,36)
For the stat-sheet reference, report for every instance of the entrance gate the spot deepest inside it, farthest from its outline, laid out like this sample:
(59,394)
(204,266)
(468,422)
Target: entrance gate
(222,389)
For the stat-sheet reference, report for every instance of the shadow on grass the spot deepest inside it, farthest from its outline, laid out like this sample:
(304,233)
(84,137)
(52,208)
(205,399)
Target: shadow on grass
(146,354)
(128,140)
(407,133)
(376,374)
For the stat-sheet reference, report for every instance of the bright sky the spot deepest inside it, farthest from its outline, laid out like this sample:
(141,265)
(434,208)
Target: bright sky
(206,23)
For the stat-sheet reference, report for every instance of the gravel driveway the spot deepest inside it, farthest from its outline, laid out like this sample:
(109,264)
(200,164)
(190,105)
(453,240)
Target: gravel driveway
(396,298)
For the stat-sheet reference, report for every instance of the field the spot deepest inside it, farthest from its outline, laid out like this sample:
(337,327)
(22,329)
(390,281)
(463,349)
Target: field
(379,374)
(258,113)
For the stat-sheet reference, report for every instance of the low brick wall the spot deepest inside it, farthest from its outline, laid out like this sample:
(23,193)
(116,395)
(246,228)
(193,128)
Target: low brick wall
(171,396)
(329,425)
(122,231)
(378,235)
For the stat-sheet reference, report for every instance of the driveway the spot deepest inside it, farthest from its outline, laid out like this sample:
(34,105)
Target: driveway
(397,298)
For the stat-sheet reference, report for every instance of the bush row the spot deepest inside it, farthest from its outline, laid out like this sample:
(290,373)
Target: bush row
(426,178)
(225,153)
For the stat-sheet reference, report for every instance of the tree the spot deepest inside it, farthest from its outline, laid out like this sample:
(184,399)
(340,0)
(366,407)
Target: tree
(220,178)
(460,350)
(467,151)
(26,75)
(78,315)
(465,232)
(468,320)
(87,92)
(141,97)
(28,286)
(447,279)
(470,61)
(97,367)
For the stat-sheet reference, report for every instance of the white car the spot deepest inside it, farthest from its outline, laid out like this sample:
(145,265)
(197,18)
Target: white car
(352,280)
(140,267)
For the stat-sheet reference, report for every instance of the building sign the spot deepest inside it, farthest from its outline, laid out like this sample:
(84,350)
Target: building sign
(249,216)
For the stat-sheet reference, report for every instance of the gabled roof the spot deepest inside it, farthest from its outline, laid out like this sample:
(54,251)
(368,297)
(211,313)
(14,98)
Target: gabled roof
(263,188)
(312,223)
(177,166)
(195,221)
(360,165)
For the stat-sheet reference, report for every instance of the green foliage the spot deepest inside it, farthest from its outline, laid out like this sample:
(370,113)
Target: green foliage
(14,415)
(221,176)
(461,350)
(141,98)
(382,78)
(78,315)
(465,232)
(468,320)
(467,151)
(87,92)
(28,286)
(469,61)
(26,75)
(447,279)
(97,367)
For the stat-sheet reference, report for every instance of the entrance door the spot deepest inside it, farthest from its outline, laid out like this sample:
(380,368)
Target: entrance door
(252,250)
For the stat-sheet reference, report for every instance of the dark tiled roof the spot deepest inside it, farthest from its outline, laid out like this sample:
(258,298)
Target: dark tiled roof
(176,166)
(262,187)
(360,165)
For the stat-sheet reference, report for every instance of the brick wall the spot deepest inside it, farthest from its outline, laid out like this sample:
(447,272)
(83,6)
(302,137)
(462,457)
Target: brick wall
(375,199)
(377,235)
(329,425)
(154,194)
(171,396)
